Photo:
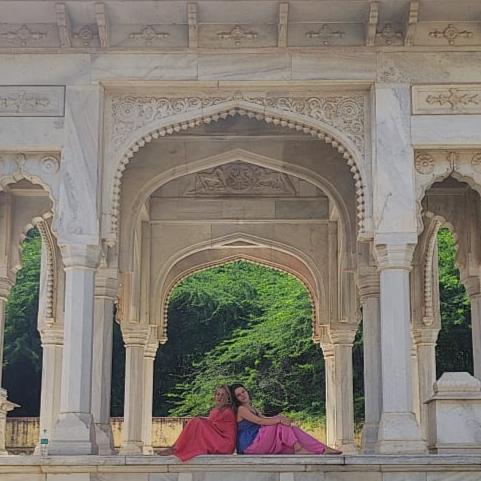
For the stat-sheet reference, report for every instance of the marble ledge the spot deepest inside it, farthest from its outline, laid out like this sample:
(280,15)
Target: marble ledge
(240,462)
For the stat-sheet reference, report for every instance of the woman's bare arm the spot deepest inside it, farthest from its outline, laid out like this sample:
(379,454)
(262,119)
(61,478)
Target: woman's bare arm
(248,415)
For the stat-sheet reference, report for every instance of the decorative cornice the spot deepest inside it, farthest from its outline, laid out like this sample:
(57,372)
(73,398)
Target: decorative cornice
(80,256)
(394,256)
(51,336)
(345,114)
(135,336)
(342,335)
(425,336)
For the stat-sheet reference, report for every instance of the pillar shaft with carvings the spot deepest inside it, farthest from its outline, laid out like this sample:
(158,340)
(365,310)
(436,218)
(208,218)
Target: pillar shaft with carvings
(135,340)
(371,324)
(105,295)
(148,397)
(74,431)
(398,428)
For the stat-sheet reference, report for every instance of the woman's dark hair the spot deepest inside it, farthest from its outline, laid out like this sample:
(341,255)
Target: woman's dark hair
(233,387)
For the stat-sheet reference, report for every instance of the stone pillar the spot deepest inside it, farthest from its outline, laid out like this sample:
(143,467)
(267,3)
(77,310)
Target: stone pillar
(473,288)
(328,352)
(149,358)
(415,383)
(105,295)
(5,405)
(425,342)
(398,429)
(342,341)
(74,431)
(135,340)
(371,324)
(52,350)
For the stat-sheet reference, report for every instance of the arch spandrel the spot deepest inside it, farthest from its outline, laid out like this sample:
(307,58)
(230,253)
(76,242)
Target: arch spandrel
(134,121)
(233,249)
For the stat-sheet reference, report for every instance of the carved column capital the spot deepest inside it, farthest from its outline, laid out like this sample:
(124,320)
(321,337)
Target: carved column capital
(369,286)
(472,285)
(80,256)
(343,335)
(394,256)
(6,285)
(51,336)
(106,287)
(425,336)
(135,336)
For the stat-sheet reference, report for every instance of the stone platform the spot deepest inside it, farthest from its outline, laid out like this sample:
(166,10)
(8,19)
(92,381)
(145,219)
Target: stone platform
(242,468)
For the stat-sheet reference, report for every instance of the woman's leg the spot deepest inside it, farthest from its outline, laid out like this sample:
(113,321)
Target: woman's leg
(310,444)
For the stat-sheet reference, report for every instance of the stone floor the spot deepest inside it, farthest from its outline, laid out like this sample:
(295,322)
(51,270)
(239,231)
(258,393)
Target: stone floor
(242,468)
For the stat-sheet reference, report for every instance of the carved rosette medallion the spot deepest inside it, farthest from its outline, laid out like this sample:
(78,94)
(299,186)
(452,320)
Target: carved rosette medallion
(239,178)
(50,165)
(476,162)
(424,163)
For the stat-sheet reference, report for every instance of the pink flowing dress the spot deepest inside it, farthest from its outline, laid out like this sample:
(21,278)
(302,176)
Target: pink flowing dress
(280,439)
(213,435)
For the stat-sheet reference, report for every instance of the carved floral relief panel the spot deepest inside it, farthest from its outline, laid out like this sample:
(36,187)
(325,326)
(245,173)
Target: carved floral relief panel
(32,101)
(446,99)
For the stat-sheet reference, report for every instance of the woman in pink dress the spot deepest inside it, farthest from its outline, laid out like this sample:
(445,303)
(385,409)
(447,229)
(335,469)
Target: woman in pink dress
(258,434)
(215,434)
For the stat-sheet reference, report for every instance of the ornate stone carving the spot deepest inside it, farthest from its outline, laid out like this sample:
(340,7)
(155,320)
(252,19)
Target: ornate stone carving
(324,34)
(451,33)
(454,99)
(237,35)
(148,34)
(48,245)
(22,35)
(86,34)
(390,73)
(31,101)
(424,163)
(442,99)
(428,318)
(345,113)
(50,164)
(388,34)
(240,178)
(476,162)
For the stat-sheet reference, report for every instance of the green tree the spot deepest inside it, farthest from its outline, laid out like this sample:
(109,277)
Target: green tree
(454,348)
(22,367)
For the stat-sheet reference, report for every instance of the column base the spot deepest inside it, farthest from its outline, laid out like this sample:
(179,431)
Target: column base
(369,437)
(131,448)
(148,450)
(74,433)
(104,439)
(399,434)
(347,448)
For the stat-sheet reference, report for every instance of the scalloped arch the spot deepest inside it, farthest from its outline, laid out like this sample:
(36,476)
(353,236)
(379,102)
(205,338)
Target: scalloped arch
(222,110)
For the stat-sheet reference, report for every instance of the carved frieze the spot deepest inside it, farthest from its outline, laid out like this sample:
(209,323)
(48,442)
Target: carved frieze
(86,35)
(149,35)
(450,34)
(240,178)
(325,34)
(31,101)
(344,112)
(389,35)
(237,34)
(446,99)
(23,36)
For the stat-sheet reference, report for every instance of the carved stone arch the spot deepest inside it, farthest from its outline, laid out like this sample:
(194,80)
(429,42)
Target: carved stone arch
(230,249)
(338,121)
(49,256)
(249,157)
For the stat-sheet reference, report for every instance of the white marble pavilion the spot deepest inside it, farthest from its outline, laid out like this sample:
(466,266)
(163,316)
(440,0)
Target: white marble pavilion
(330,139)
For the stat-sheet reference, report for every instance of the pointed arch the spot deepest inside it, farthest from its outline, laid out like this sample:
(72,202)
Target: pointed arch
(286,114)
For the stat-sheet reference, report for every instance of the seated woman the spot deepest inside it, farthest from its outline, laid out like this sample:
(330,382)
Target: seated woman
(258,434)
(215,434)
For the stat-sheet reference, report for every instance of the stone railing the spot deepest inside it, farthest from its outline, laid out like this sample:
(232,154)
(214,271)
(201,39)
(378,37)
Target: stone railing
(23,433)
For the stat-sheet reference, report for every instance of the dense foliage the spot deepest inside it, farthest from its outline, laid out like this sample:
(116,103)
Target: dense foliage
(239,322)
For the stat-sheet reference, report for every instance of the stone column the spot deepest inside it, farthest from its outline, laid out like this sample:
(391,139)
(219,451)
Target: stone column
(473,288)
(149,358)
(342,341)
(5,405)
(105,295)
(74,431)
(52,350)
(328,352)
(398,429)
(371,324)
(425,342)
(135,340)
